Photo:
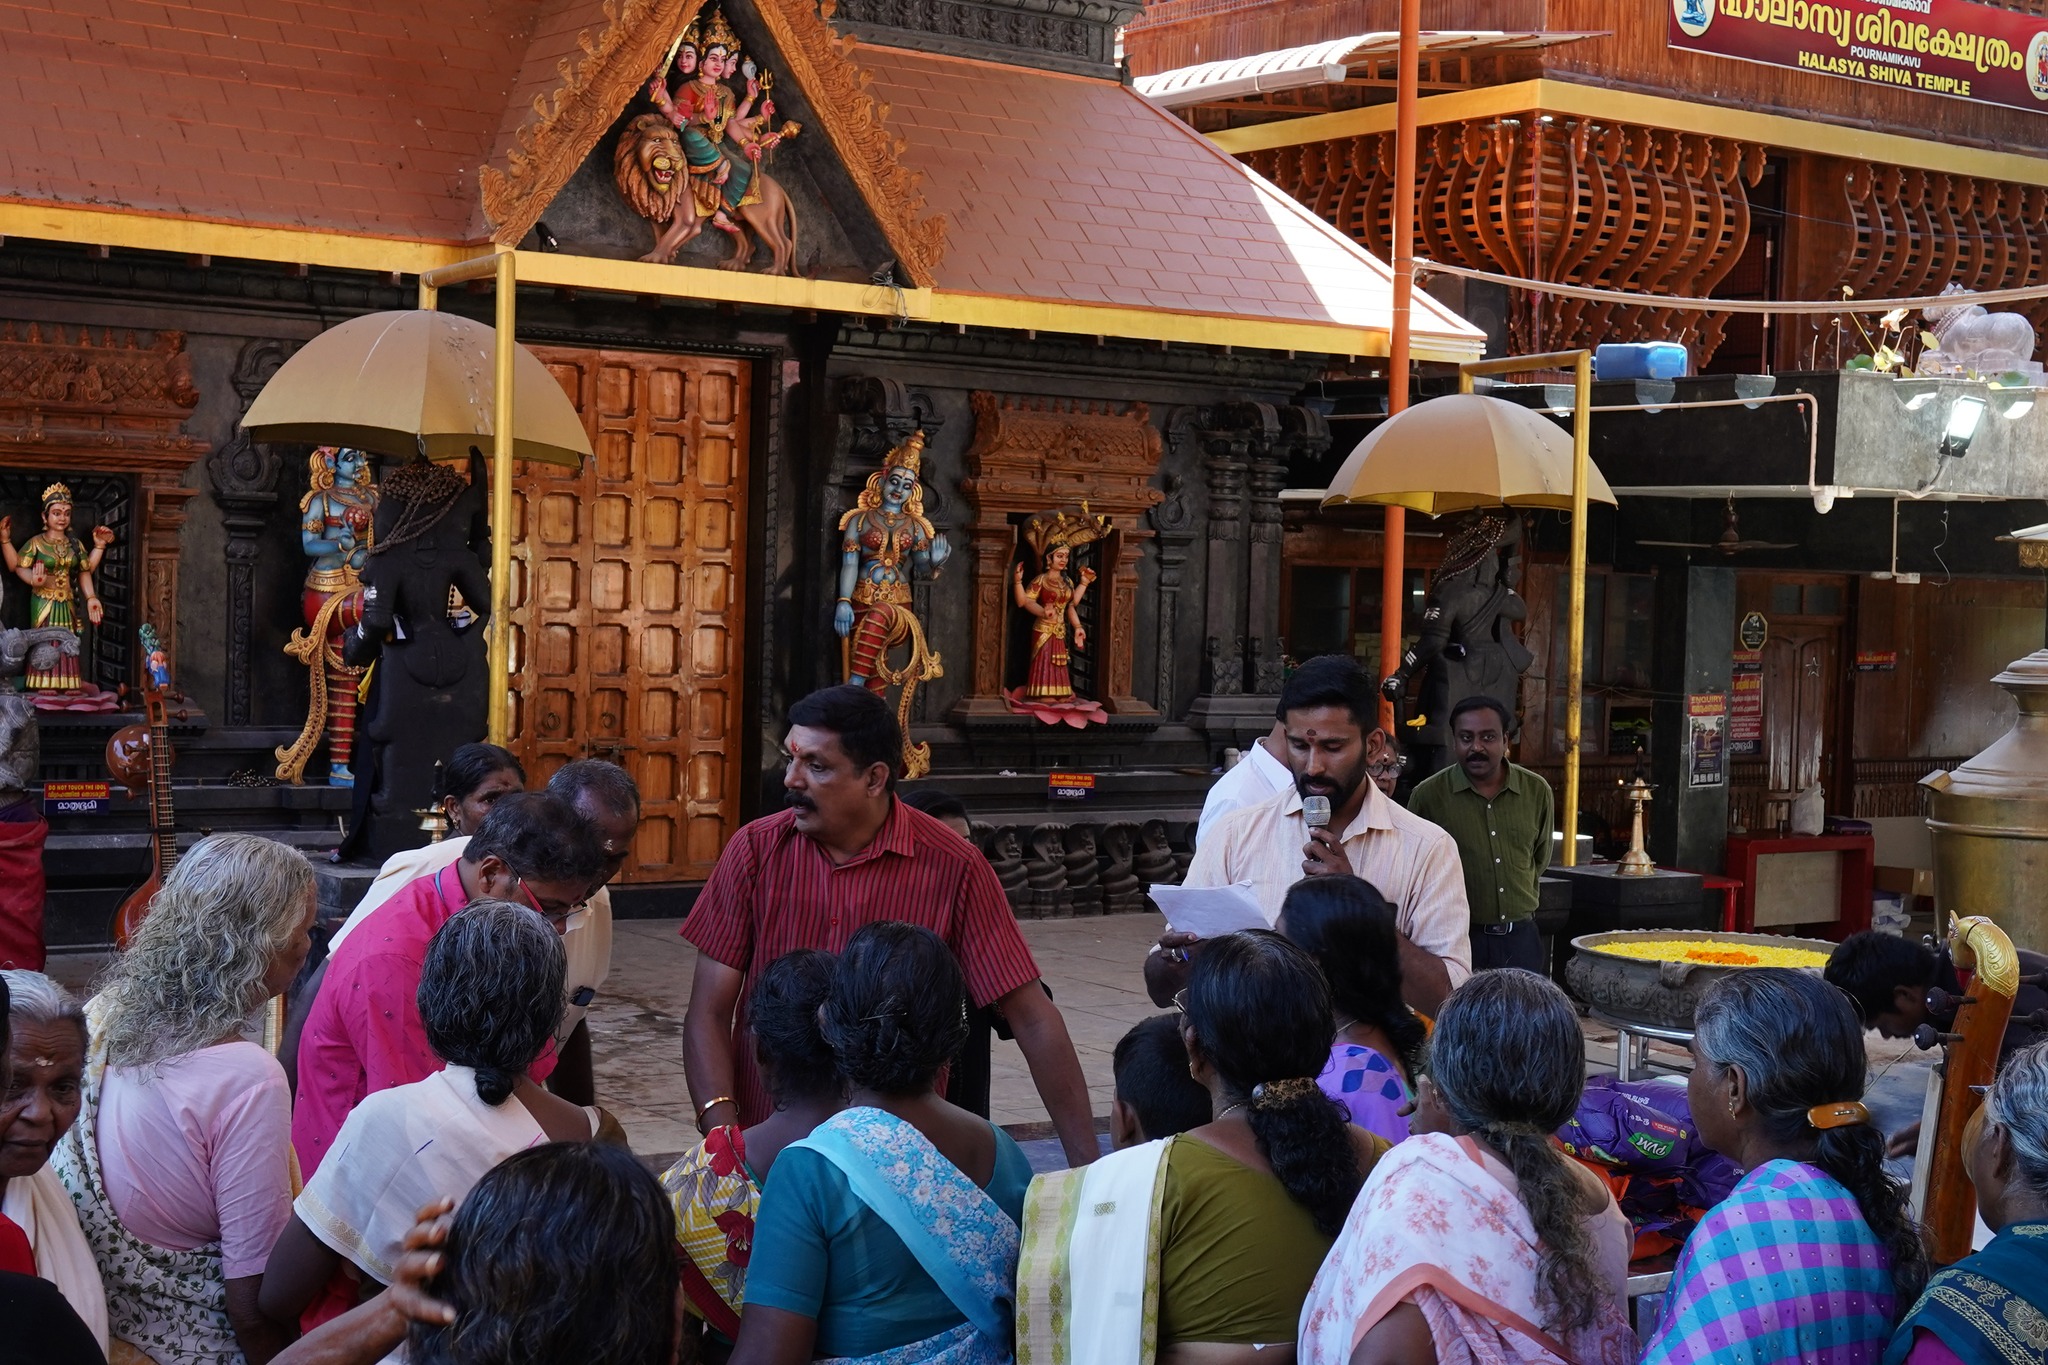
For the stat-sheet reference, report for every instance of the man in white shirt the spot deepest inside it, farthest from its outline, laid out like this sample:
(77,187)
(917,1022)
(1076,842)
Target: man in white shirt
(604,794)
(1260,775)
(1328,714)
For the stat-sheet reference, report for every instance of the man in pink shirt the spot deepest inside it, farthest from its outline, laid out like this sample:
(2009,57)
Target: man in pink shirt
(364,1033)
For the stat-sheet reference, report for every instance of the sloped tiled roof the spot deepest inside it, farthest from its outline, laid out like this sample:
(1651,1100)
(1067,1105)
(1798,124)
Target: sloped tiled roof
(1081,191)
(343,115)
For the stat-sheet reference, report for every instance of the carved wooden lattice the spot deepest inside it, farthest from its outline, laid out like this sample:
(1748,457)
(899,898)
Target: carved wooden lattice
(1915,232)
(1572,200)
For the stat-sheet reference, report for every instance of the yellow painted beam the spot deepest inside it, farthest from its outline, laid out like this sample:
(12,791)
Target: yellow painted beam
(227,241)
(722,286)
(1655,111)
(1201,329)
(387,255)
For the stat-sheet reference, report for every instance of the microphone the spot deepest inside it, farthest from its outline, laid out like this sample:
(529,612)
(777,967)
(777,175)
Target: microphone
(1315,810)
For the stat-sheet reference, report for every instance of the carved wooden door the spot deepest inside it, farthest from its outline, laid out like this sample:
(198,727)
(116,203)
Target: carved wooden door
(626,595)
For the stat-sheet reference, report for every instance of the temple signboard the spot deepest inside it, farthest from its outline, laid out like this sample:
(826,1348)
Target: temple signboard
(1940,47)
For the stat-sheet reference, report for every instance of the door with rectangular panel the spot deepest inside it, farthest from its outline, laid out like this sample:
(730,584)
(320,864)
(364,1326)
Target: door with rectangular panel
(626,595)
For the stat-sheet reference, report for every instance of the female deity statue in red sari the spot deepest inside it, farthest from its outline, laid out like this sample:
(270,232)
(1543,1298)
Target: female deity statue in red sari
(882,540)
(1054,602)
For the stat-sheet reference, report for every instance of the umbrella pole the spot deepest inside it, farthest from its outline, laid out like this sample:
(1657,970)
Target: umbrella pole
(1581,362)
(499,715)
(1394,541)
(1575,671)
(502,267)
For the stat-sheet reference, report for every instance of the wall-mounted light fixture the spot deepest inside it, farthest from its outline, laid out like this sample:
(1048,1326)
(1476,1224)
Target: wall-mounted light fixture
(1964,416)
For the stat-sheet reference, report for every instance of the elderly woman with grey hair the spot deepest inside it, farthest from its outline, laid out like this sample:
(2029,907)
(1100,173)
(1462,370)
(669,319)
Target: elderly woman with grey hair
(490,995)
(1477,1239)
(1991,1308)
(1813,1251)
(37,1108)
(180,1162)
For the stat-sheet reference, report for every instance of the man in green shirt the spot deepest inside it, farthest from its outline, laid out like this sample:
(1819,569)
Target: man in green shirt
(1501,816)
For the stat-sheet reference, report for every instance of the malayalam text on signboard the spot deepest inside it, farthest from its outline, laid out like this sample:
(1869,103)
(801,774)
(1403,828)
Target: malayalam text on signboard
(1941,47)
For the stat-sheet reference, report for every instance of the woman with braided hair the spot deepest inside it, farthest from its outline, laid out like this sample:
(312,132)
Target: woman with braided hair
(1198,1249)
(1814,1251)
(1476,1240)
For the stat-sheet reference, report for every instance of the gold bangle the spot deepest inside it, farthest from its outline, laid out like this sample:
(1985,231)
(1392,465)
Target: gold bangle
(711,1105)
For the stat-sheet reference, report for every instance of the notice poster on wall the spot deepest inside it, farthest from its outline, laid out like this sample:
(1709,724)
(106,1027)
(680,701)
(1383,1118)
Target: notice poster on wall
(1746,714)
(1706,739)
(1967,51)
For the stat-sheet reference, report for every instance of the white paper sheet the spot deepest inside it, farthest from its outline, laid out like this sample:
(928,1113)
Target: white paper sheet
(1207,911)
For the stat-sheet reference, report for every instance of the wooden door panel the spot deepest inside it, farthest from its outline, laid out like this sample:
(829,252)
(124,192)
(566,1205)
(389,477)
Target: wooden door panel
(635,610)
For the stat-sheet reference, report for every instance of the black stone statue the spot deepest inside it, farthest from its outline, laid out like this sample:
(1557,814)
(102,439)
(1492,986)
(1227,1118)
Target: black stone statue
(430,687)
(1468,646)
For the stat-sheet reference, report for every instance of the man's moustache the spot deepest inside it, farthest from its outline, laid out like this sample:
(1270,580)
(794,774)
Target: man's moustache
(798,801)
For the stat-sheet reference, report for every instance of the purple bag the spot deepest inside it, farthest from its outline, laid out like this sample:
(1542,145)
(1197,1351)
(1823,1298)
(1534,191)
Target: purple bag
(1641,1128)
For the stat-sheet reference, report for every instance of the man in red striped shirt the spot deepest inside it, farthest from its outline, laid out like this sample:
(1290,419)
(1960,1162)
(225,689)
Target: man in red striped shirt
(844,854)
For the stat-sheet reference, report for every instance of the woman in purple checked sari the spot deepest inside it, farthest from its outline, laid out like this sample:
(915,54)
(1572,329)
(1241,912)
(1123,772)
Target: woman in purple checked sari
(1813,1253)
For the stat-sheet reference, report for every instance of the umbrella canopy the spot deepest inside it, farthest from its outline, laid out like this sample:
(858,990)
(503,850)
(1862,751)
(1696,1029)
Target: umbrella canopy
(393,382)
(1460,451)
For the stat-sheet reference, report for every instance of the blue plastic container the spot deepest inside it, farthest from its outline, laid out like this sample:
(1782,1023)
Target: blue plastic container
(1641,360)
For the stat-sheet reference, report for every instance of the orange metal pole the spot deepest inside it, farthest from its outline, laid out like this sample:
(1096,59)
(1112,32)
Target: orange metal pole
(1394,550)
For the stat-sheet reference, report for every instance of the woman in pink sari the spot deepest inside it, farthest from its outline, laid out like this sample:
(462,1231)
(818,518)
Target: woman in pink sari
(1476,1242)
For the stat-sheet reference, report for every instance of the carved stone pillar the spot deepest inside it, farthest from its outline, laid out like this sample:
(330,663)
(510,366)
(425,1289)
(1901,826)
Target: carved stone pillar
(1244,566)
(244,477)
(1267,476)
(1225,463)
(1173,524)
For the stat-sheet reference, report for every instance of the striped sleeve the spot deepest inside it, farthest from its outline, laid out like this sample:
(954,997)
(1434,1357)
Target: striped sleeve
(721,923)
(991,948)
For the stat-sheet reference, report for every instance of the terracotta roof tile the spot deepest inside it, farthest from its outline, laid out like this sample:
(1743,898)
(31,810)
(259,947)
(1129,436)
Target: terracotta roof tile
(1069,188)
(350,115)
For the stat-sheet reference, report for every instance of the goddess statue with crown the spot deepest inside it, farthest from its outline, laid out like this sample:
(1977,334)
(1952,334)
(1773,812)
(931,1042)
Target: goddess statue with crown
(882,540)
(1053,601)
(50,563)
(334,533)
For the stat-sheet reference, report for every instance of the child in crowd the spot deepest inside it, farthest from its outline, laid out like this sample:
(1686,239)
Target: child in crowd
(1155,1096)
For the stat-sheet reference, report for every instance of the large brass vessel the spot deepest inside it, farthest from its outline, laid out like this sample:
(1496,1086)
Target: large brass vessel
(1989,819)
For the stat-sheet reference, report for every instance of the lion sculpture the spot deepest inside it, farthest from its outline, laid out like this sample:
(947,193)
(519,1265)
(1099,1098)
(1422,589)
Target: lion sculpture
(651,172)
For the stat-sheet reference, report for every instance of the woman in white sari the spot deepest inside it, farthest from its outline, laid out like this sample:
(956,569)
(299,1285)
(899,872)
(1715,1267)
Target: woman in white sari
(37,1110)
(490,996)
(889,1235)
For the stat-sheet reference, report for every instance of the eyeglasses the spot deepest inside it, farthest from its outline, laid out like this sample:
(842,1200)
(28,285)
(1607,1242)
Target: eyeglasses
(556,917)
(1180,999)
(1387,767)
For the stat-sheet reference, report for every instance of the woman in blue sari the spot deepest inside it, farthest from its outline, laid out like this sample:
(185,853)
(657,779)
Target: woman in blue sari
(890,1233)
(1991,1308)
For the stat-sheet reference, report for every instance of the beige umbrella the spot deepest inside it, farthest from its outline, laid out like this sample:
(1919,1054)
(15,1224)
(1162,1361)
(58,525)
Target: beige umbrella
(1461,451)
(1468,450)
(397,383)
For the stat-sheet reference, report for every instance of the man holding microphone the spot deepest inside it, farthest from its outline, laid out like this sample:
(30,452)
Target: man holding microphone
(1335,820)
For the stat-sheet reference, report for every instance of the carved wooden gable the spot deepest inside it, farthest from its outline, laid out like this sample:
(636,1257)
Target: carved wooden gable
(1032,454)
(608,159)
(72,403)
